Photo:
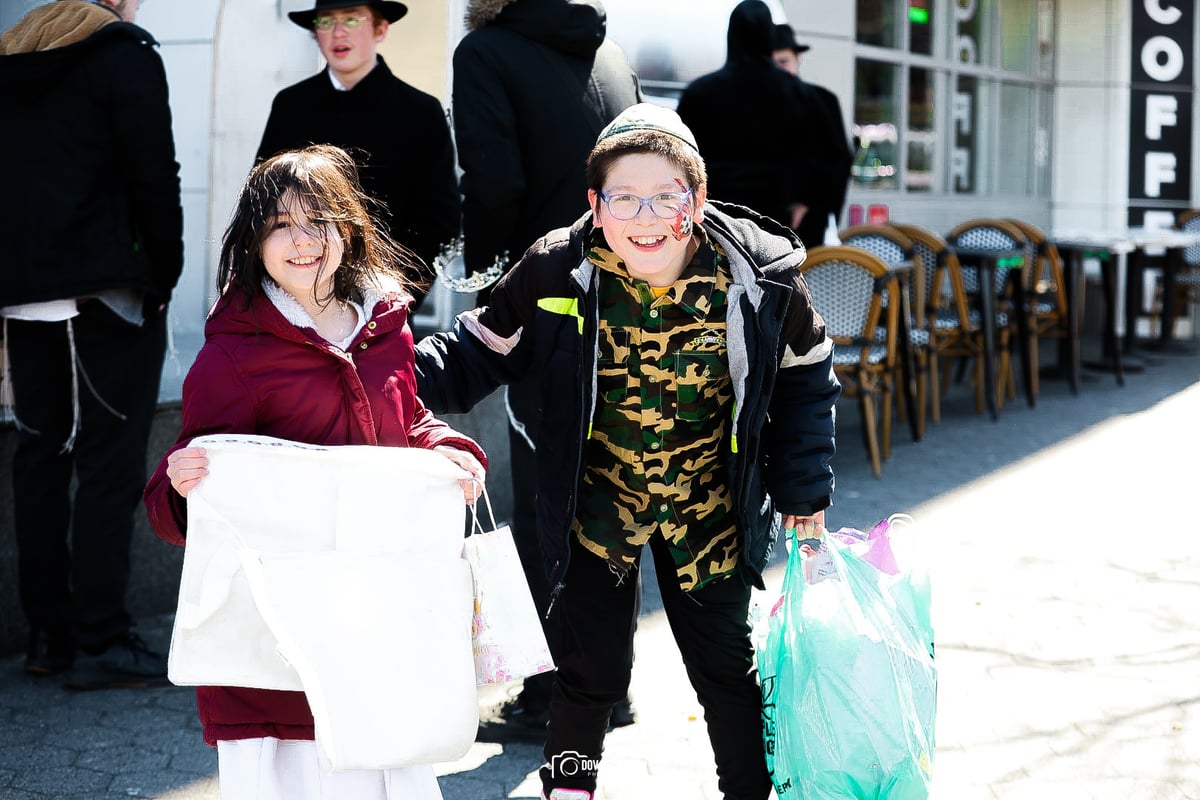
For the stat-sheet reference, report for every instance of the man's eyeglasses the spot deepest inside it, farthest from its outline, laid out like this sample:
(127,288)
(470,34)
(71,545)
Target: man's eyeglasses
(664,205)
(327,23)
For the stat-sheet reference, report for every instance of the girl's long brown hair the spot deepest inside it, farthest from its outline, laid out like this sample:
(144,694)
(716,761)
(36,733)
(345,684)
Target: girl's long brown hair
(324,180)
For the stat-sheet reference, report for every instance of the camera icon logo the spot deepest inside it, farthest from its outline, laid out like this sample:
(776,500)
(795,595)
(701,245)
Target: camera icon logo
(571,764)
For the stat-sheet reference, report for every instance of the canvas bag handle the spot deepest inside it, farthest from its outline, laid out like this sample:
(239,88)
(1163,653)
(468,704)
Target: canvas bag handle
(476,527)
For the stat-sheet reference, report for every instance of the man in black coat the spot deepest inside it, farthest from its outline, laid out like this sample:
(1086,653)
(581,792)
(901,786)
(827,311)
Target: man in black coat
(831,167)
(754,125)
(92,199)
(535,81)
(398,134)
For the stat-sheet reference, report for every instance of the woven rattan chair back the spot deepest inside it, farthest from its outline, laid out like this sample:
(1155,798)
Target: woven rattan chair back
(856,295)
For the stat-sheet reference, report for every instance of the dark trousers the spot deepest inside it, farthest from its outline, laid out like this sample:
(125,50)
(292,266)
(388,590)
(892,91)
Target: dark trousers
(710,627)
(80,585)
(523,401)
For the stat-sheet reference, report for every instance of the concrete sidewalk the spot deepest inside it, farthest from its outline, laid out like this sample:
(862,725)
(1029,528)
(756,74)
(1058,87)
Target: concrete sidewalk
(1067,581)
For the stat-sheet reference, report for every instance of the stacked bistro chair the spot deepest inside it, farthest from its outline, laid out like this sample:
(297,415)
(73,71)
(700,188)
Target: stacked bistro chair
(893,247)
(954,332)
(1049,303)
(986,233)
(1187,280)
(856,295)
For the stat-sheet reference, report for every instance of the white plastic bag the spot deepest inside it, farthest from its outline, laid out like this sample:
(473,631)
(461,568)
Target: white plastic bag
(506,633)
(337,571)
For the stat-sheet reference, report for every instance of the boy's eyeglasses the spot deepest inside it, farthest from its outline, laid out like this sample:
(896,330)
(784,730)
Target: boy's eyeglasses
(664,205)
(327,23)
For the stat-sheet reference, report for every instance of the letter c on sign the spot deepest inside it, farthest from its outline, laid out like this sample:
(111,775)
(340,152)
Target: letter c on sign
(1163,16)
(1164,73)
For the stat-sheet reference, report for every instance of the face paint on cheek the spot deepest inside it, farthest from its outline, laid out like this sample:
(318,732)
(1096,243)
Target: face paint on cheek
(681,226)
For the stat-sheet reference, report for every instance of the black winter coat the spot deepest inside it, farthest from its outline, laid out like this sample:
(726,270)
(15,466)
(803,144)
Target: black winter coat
(401,140)
(829,165)
(91,187)
(534,84)
(543,322)
(753,122)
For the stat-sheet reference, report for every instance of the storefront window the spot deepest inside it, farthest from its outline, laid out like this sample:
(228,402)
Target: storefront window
(1018,151)
(1045,37)
(1041,143)
(954,96)
(875,125)
(970,45)
(920,137)
(920,26)
(966,152)
(876,22)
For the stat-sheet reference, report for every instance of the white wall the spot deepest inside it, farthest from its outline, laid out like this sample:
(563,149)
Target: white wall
(1091,115)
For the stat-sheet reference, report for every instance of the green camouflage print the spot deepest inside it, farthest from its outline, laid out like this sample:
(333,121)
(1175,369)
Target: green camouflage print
(654,461)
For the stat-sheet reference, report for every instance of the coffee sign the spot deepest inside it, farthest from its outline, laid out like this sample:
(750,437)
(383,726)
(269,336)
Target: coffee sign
(1160,119)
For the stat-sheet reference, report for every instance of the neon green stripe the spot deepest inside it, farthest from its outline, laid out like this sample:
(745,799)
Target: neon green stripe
(732,420)
(567,306)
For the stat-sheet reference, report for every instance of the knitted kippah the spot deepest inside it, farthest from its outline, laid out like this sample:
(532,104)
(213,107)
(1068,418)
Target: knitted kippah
(649,117)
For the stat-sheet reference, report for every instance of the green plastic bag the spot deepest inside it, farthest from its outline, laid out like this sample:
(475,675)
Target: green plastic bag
(847,673)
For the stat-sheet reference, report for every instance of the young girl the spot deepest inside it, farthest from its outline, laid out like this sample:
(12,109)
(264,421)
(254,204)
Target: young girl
(309,341)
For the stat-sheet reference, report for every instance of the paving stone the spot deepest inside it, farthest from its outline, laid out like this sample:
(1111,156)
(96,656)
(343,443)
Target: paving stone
(63,781)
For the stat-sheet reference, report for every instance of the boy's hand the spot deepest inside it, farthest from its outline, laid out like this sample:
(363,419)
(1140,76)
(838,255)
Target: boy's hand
(806,527)
(472,487)
(186,467)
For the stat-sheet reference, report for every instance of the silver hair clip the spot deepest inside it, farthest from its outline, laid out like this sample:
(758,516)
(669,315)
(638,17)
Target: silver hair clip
(451,269)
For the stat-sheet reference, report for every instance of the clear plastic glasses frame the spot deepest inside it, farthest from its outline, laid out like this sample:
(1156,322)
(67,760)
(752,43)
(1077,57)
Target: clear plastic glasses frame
(664,205)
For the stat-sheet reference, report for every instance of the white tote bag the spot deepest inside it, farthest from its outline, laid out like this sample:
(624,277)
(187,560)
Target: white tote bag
(506,633)
(337,571)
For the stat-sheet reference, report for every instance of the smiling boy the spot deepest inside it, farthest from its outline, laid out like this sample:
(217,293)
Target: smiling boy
(687,402)
(398,134)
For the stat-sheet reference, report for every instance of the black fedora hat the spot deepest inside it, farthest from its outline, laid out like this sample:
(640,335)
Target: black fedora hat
(784,38)
(390,10)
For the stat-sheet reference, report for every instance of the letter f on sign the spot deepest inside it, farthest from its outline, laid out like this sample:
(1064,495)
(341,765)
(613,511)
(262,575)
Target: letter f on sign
(1161,111)
(1160,169)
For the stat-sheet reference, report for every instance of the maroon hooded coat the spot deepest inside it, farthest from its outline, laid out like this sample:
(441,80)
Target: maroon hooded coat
(260,374)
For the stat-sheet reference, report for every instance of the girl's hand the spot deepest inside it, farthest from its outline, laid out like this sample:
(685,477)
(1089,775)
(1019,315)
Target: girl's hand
(806,527)
(186,467)
(472,487)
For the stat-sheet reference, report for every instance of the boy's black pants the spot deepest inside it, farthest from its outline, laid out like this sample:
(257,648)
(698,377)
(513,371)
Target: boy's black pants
(80,585)
(710,626)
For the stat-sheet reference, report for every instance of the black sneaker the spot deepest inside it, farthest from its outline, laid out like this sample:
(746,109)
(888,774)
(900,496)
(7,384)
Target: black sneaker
(49,652)
(529,715)
(127,664)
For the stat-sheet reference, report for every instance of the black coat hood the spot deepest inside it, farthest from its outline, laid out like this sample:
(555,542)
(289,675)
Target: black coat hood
(29,75)
(749,36)
(575,27)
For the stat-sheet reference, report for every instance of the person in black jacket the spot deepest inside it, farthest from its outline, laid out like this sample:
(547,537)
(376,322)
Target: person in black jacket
(397,133)
(534,83)
(92,195)
(688,401)
(833,157)
(754,123)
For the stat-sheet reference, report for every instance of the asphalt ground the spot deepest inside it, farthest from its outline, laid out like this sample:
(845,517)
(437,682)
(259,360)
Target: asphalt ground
(1066,573)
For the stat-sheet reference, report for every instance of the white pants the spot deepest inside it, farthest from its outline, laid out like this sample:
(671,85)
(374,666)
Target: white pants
(292,769)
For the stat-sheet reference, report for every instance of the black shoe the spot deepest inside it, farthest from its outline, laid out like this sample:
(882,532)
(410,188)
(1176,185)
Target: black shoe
(529,715)
(49,652)
(127,663)
(622,714)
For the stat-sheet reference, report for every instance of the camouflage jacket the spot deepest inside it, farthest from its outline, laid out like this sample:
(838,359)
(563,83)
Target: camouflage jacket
(543,320)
